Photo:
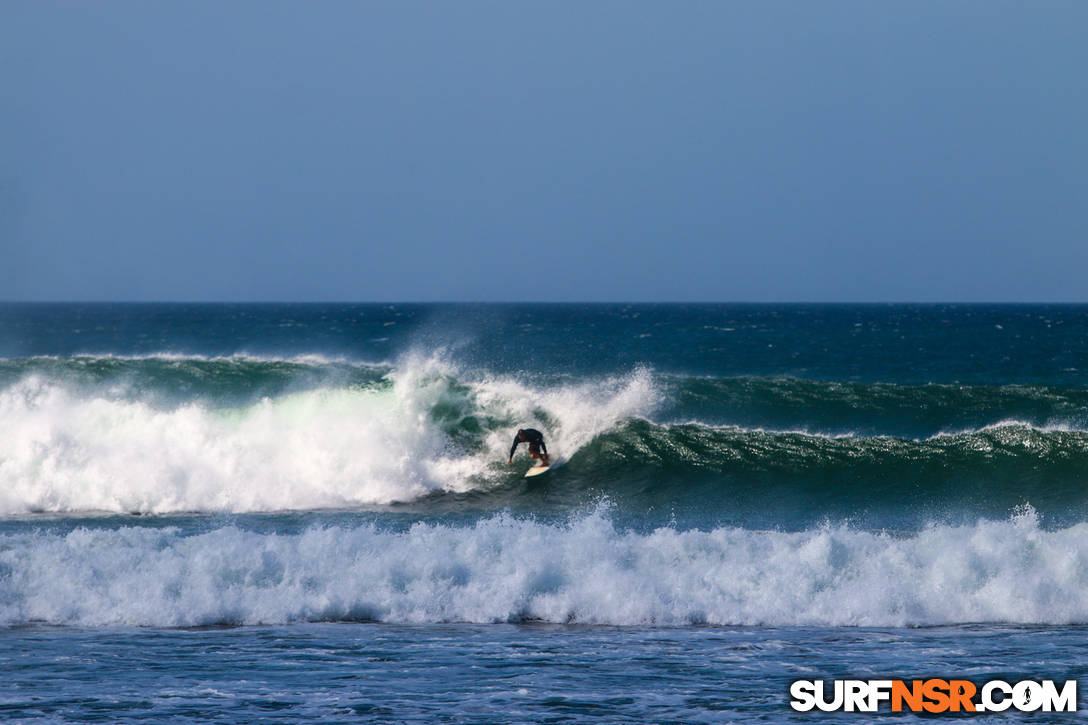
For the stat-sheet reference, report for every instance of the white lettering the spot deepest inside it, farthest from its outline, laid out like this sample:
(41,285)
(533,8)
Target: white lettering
(855,695)
(822,702)
(988,702)
(1027,696)
(803,693)
(1065,701)
(879,690)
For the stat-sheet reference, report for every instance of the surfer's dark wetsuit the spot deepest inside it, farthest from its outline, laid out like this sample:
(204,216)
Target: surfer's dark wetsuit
(536,444)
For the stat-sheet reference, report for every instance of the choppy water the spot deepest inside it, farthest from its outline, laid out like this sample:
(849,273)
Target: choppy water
(749,492)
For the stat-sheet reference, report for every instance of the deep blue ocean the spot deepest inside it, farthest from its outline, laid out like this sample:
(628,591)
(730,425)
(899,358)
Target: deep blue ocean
(304,512)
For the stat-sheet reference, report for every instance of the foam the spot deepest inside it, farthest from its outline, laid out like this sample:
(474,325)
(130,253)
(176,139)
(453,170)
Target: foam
(1011,425)
(760,430)
(585,571)
(68,448)
(573,415)
(1003,426)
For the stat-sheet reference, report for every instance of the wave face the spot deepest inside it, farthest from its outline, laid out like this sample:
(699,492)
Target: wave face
(168,434)
(587,570)
(118,436)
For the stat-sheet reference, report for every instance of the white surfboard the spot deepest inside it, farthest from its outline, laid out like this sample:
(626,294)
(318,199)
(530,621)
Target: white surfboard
(537,470)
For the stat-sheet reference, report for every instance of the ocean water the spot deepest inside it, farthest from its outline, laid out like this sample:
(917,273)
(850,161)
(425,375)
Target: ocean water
(243,513)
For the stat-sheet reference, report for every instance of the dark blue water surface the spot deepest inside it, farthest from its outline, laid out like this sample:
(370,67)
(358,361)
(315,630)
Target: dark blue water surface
(497,673)
(900,343)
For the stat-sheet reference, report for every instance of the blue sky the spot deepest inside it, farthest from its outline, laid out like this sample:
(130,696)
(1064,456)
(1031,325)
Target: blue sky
(551,151)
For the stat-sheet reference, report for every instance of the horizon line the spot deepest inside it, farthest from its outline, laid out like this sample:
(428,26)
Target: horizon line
(539,302)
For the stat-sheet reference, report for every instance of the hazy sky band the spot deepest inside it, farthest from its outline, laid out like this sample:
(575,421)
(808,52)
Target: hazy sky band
(544,151)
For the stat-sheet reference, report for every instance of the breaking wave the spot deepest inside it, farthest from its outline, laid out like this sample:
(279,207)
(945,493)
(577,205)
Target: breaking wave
(166,434)
(141,440)
(586,570)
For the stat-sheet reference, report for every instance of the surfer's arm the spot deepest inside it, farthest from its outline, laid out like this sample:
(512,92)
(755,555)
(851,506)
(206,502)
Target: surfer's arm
(513,448)
(543,447)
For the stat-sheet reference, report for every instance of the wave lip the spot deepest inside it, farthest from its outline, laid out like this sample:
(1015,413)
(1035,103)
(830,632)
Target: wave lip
(588,571)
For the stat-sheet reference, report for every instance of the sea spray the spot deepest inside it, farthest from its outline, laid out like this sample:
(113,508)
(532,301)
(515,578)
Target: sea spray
(416,430)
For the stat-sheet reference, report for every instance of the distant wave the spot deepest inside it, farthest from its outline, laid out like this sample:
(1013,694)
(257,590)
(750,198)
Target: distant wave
(508,569)
(869,409)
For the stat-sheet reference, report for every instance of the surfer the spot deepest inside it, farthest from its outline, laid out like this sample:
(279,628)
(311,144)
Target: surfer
(537,449)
